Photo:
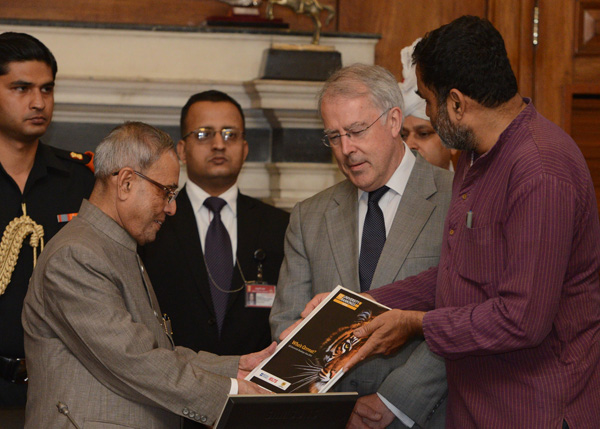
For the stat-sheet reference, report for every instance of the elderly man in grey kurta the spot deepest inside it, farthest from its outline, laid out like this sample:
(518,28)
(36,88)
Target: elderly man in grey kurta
(94,336)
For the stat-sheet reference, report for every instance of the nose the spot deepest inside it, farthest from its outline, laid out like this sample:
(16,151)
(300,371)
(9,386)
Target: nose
(171,208)
(411,142)
(218,143)
(38,101)
(346,145)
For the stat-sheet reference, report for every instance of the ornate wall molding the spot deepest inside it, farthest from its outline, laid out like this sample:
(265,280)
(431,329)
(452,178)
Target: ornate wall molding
(110,74)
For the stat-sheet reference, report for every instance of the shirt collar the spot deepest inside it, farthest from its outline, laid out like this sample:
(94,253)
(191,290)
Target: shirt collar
(106,225)
(197,195)
(399,179)
(46,155)
(45,159)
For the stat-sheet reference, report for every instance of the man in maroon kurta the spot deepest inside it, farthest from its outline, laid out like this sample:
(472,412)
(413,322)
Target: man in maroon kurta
(514,305)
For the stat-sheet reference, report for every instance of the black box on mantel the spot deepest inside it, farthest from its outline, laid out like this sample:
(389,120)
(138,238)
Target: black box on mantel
(306,62)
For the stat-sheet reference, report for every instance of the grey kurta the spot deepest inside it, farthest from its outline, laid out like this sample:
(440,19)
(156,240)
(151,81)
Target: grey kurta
(94,342)
(321,251)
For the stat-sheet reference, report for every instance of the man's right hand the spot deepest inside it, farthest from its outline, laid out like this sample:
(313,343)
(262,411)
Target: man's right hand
(312,304)
(252,360)
(246,387)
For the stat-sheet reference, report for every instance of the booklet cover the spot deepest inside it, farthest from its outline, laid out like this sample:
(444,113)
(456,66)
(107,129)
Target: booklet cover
(311,358)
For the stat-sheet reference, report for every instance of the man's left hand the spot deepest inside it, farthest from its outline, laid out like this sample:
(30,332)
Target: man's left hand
(387,333)
(370,412)
(250,361)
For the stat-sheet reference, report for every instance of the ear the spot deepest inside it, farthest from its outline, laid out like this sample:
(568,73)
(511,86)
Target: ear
(124,183)
(181,150)
(395,121)
(456,104)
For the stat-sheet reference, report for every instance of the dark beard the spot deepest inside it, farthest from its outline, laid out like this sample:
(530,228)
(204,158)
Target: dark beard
(453,136)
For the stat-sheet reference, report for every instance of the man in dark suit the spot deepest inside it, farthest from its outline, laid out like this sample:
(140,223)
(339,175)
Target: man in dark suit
(208,312)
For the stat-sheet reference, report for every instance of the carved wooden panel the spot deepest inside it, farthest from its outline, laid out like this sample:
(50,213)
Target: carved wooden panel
(583,102)
(588,28)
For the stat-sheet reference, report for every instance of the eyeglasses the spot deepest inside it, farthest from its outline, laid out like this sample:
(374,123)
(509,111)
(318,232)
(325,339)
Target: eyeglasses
(206,134)
(171,192)
(331,140)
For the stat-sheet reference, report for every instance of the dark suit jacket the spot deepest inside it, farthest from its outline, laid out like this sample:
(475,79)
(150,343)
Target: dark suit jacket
(178,274)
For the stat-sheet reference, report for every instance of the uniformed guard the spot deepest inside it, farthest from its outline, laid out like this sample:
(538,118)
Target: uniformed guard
(41,188)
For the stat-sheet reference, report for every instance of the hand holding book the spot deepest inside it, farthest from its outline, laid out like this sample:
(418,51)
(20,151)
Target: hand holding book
(312,356)
(387,333)
(312,304)
(250,361)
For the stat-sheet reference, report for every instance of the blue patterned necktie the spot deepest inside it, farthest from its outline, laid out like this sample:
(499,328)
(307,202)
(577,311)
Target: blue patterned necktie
(218,256)
(373,239)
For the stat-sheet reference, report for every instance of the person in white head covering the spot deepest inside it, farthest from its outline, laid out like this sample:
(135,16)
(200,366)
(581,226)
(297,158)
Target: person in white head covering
(417,131)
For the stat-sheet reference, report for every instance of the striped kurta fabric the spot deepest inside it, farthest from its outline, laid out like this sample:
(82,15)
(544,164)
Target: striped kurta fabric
(515,299)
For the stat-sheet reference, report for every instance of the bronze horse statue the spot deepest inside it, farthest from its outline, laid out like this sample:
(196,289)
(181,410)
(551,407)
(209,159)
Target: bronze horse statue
(312,8)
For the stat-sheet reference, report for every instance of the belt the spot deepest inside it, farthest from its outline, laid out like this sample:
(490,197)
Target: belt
(13,369)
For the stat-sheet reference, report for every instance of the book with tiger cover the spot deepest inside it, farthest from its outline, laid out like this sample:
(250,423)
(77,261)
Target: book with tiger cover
(310,359)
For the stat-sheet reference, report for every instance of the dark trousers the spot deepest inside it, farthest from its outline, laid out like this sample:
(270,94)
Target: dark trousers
(12,405)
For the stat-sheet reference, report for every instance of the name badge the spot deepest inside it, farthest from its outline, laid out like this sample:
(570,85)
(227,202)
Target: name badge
(259,295)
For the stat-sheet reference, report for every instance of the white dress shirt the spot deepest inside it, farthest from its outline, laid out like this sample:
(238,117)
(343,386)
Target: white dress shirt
(389,205)
(204,216)
(391,199)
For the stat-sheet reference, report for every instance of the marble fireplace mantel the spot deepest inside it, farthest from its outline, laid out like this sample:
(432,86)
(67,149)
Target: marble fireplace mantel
(108,74)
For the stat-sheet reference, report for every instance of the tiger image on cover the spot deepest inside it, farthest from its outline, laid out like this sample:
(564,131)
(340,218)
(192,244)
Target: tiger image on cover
(311,358)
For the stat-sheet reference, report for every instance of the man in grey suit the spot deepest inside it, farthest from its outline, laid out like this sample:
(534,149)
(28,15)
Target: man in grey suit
(96,343)
(329,240)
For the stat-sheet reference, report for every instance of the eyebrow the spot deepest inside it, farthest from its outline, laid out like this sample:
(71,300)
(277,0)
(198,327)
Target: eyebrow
(224,127)
(21,83)
(27,83)
(424,127)
(347,127)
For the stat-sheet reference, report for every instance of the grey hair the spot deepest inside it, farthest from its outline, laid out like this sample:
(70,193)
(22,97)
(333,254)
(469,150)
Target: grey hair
(133,144)
(381,85)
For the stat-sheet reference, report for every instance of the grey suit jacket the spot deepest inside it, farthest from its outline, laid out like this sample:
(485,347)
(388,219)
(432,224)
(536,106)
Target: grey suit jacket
(321,251)
(94,341)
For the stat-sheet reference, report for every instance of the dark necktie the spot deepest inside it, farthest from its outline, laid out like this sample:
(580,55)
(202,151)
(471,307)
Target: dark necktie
(373,239)
(218,256)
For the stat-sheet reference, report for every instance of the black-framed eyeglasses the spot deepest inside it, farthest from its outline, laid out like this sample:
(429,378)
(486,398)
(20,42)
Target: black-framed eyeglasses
(331,140)
(171,192)
(206,134)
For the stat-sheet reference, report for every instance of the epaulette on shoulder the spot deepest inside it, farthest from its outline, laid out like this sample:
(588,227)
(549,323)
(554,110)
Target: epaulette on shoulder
(86,158)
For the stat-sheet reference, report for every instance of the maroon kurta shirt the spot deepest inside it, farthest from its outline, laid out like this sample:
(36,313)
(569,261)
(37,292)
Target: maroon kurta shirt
(516,294)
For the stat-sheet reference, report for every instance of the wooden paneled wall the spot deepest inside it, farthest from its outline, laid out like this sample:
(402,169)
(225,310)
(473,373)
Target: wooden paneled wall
(399,22)
(154,12)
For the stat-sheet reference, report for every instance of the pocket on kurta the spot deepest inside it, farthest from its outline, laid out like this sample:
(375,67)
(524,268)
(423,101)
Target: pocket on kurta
(480,254)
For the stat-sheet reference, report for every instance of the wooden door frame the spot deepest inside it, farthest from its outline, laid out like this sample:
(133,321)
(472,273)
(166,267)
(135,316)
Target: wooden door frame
(514,20)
